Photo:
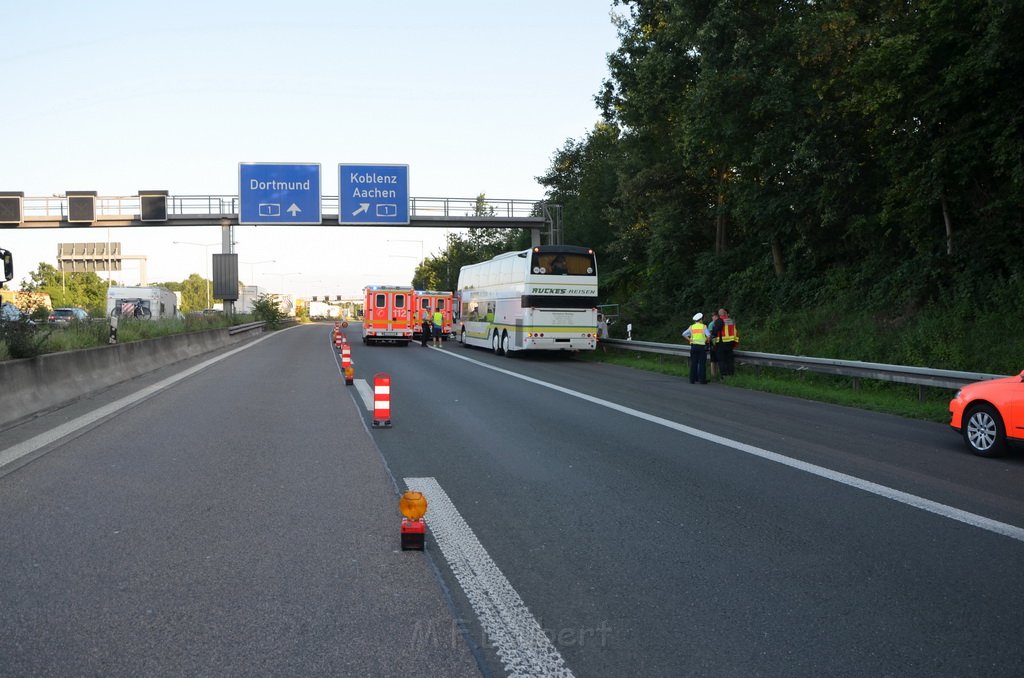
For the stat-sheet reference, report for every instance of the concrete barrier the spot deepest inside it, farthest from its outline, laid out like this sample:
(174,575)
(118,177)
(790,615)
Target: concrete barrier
(34,385)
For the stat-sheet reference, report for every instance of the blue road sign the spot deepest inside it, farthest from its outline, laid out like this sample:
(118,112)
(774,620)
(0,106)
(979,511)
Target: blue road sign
(373,194)
(278,193)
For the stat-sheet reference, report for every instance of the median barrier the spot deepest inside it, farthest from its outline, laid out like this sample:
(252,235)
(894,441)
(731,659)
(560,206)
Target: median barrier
(32,386)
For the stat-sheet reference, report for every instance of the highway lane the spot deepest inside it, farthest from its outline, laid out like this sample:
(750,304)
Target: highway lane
(239,522)
(642,550)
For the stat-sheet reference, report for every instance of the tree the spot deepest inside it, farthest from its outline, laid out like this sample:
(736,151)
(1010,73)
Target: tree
(194,293)
(266,308)
(84,290)
(441,272)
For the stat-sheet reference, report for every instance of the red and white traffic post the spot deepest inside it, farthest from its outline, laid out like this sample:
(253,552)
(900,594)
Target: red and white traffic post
(346,364)
(381,400)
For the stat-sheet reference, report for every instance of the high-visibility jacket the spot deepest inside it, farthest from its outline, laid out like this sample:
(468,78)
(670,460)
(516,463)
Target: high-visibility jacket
(698,334)
(729,331)
(439,318)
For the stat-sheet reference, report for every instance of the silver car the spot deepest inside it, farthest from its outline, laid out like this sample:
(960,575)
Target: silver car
(64,316)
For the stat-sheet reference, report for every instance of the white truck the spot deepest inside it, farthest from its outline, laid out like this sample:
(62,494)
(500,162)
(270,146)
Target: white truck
(142,303)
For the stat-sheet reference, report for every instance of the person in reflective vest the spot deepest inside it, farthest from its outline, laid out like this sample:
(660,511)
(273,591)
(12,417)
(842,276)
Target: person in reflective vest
(697,335)
(438,325)
(727,339)
(713,328)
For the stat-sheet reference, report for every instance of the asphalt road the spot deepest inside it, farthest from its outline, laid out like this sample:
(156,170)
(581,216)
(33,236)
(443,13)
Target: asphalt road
(242,521)
(238,522)
(643,549)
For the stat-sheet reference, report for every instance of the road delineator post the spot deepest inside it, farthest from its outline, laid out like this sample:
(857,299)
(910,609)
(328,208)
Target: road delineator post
(337,341)
(346,364)
(381,400)
(413,506)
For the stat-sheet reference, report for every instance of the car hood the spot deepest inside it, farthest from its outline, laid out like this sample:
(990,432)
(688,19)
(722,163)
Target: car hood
(990,383)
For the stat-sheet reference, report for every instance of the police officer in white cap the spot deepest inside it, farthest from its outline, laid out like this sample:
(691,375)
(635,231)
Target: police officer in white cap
(697,335)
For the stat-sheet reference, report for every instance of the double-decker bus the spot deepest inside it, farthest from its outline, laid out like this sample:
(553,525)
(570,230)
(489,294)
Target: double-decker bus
(388,314)
(540,299)
(428,301)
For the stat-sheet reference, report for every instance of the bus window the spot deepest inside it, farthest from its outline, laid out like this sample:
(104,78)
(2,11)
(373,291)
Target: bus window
(563,263)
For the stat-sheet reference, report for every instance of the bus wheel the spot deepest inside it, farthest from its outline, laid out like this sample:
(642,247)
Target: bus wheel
(504,344)
(462,337)
(496,343)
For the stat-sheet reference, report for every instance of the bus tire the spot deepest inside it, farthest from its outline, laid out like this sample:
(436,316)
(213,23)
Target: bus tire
(504,344)
(462,336)
(496,343)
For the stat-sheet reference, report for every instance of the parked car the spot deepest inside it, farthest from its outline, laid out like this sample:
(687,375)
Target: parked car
(990,414)
(9,311)
(64,316)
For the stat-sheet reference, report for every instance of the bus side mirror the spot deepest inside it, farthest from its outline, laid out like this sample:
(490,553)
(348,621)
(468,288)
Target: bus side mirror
(8,265)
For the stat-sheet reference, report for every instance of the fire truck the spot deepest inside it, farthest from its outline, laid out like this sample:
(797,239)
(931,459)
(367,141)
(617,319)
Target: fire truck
(388,314)
(428,301)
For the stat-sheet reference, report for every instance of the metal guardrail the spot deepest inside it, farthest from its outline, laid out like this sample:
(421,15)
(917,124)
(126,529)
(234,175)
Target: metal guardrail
(919,376)
(247,327)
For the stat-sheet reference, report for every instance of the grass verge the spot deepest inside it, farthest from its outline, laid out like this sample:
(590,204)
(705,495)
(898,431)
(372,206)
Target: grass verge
(900,399)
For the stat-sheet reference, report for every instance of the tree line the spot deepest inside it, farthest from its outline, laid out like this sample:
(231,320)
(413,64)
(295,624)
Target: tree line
(807,161)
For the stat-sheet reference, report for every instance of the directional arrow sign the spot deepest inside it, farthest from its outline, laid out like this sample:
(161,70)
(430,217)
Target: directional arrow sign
(373,194)
(279,193)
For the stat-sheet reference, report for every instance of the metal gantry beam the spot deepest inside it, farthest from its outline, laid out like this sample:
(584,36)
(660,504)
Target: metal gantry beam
(222,210)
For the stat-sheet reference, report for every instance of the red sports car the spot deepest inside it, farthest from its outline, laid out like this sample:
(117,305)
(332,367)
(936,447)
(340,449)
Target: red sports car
(990,414)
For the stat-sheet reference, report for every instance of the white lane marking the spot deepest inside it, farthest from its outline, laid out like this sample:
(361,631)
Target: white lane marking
(522,645)
(15,452)
(365,392)
(973,519)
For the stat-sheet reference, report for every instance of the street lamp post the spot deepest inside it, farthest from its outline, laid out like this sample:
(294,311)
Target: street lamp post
(252,264)
(209,298)
(281,277)
(419,241)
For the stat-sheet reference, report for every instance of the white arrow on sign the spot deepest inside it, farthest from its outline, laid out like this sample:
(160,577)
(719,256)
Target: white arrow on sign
(363,207)
(294,209)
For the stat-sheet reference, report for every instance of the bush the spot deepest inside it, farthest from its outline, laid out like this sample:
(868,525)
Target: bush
(266,308)
(23,338)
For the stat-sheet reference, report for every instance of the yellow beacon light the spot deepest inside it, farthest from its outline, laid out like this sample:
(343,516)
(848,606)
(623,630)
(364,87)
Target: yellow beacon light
(413,506)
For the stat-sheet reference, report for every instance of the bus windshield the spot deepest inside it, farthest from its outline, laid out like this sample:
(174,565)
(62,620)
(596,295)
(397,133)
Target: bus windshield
(563,263)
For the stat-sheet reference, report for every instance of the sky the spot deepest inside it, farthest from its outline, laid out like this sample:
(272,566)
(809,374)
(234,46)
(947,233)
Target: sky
(475,97)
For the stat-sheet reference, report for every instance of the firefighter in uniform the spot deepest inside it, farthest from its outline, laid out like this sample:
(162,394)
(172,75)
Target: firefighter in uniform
(728,338)
(697,335)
